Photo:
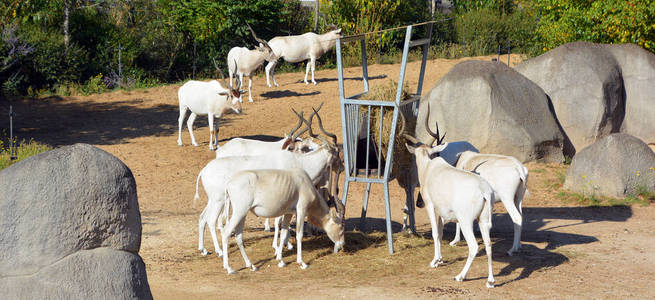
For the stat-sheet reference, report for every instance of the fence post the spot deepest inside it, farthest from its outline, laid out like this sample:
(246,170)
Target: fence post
(11,134)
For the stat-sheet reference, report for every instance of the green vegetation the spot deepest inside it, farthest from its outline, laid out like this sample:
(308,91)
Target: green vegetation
(23,150)
(83,46)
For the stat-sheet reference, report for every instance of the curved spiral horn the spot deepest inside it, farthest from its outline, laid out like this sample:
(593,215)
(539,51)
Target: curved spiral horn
(300,120)
(320,126)
(258,39)
(221,72)
(427,127)
(311,120)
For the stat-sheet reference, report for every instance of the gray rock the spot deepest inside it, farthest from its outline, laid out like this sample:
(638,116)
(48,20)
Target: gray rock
(638,70)
(101,273)
(584,83)
(614,166)
(57,203)
(494,108)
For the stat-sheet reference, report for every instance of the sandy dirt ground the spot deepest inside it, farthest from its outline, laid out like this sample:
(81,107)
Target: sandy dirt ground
(569,251)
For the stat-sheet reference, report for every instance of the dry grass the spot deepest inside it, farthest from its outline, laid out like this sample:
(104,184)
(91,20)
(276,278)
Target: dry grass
(402,159)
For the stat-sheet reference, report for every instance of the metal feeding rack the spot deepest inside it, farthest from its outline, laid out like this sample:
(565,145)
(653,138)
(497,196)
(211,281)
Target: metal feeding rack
(356,124)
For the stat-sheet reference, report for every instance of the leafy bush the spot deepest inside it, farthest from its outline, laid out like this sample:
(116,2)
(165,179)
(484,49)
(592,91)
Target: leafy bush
(603,21)
(94,85)
(23,150)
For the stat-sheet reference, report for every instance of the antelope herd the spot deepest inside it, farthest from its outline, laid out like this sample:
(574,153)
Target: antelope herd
(300,176)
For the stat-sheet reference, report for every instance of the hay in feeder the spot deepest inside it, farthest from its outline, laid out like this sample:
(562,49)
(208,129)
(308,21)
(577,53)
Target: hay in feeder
(402,159)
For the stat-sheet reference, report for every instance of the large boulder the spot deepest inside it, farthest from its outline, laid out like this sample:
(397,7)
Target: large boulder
(70,226)
(615,166)
(584,83)
(494,108)
(638,70)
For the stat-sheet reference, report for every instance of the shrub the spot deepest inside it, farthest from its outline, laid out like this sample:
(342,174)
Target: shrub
(24,149)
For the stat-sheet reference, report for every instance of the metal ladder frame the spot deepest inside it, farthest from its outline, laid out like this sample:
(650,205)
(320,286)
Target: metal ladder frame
(350,121)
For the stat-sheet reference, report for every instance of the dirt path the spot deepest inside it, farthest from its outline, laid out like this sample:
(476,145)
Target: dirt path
(569,251)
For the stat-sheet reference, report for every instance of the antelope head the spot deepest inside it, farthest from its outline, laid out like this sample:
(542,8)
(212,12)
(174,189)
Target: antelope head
(233,93)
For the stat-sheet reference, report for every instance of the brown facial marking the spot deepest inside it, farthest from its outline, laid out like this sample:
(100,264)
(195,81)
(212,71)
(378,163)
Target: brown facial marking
(235,93)
(286,144)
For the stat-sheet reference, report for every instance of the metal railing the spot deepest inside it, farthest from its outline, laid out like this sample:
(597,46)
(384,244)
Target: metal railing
(356,112)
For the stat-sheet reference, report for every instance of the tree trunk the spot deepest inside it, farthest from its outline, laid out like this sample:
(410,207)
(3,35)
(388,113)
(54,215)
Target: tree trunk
(316,16)
(66,14)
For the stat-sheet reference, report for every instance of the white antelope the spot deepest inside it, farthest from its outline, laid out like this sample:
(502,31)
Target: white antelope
(508,177)
(274,193)
(318,164)
(454,195)
(297,48)
(242,61)
(207,98)
(250,147)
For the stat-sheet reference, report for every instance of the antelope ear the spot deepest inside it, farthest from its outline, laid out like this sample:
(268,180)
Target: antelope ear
(223,93)
(437,149)
(410,148)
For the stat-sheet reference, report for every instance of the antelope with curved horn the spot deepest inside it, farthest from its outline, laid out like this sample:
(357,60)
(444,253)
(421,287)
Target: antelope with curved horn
(453,195)
(216,173)
(272,193)
(248,60)
(207,98)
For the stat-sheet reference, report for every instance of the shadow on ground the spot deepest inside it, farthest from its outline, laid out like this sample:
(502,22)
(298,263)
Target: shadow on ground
(319,80)
(287,93)
(536,229)
(57,122)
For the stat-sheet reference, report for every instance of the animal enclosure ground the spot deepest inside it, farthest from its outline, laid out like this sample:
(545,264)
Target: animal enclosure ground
(568,250)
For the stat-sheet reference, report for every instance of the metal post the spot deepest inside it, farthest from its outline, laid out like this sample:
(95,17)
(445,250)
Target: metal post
(11,134)
(509,45)
(120,67)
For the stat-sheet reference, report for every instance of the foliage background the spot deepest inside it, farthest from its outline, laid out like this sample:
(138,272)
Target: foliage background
(165,41)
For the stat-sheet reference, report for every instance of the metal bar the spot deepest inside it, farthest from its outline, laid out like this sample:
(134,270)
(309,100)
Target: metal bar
(368,137)
(344,122)
(356,37)
(362,219)
(363,179)
(355,140)
(387,211)
(11,133)
(419,42)
(364,65)
(380,142)
(426,49)
(403,65)
(368,102)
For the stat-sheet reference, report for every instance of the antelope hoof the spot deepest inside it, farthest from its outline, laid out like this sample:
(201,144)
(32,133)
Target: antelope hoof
(254,268)
(435,263)
(276,85)
(195,144)
(179,143)
(490,284)
(453,243)
(459,278)
(204,252)
(314,82)
(303,266)
(281,264)
(231,272)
